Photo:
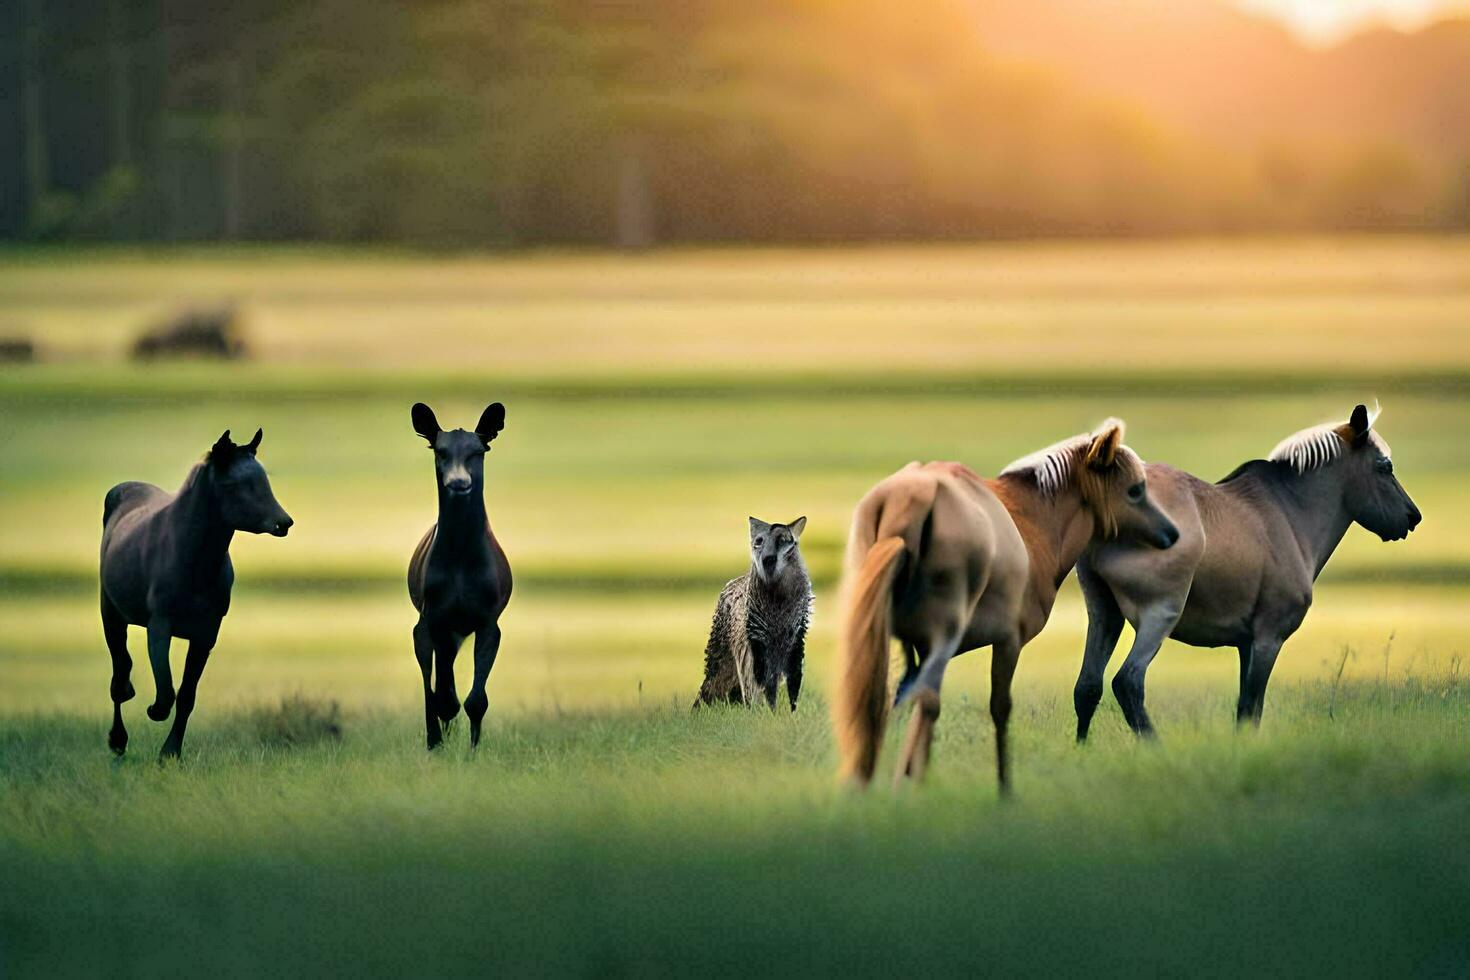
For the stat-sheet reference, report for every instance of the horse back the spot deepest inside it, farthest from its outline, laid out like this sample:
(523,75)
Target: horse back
(960,540)
(126,566)
(126,497)
(125,509)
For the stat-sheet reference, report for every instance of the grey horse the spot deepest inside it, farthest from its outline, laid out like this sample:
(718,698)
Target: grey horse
(1241,575)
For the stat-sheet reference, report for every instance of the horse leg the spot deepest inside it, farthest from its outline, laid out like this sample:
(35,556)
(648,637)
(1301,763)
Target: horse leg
(487,645)
(446,699)
(159,640)
(1003,659)
(423,651)
(193,669)
(1104,626)
(1242,704)
(910,672)
(115,632)
(1154,626)
(913,761)
(1263,657)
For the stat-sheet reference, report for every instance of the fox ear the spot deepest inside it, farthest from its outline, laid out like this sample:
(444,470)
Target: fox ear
(797,526)
(424,422)
(758,526)
(1103,451)
(492,420)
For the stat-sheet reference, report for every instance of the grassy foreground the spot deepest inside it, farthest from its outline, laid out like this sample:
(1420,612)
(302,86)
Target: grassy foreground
(654,402)
(657,842)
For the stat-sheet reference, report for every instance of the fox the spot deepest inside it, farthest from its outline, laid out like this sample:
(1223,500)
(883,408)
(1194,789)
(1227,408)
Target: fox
(759,630)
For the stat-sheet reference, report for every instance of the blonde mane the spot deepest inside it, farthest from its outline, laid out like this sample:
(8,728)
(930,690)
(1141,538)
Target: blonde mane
(1318,445)
(1055,466)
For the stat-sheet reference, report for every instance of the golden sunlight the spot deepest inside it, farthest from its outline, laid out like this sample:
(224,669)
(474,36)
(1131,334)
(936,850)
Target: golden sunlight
(1329,21)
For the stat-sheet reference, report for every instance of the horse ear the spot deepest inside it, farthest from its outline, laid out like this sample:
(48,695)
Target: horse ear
(492,420)
(797,526)
(1359,422)
(1103,451)
(254,444)
(223,449)
(758,526)
(424,422)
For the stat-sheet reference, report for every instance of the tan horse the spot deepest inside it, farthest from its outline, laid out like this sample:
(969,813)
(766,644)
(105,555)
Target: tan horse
(947,562)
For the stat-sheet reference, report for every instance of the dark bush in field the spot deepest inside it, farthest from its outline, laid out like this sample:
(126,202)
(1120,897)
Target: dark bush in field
(297,721)
(17,350)
(212,333)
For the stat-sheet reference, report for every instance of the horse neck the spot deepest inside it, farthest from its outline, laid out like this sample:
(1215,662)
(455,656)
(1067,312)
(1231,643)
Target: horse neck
(200,536)
(1055,529)
(464,526)
(1312,505)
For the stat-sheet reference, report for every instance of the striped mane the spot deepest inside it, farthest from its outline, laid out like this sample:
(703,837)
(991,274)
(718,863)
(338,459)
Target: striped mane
(1317,445)
(1054,467)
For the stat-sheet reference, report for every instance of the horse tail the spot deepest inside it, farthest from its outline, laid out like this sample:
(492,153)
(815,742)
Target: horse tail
(860,704)
(888,526)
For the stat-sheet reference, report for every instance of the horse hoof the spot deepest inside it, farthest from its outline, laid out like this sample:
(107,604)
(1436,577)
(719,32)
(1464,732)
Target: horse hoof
(160,711)
(117,742)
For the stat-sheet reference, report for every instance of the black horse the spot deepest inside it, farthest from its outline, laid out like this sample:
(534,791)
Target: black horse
(458,578)
(166,566)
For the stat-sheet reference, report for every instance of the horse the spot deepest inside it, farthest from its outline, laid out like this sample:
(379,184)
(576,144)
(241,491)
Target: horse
(166,566)
(458,578)
(948,562)
(1250,549)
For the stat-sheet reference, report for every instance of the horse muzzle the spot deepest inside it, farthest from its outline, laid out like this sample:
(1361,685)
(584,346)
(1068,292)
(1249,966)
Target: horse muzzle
(1412,521)
(1165,538)
(280,527)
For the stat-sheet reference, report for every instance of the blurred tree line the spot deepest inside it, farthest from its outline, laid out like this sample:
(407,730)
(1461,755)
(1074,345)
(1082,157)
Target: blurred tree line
(628,122)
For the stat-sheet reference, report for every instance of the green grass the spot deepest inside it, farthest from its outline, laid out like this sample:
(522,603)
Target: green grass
(658,842)
(653,403)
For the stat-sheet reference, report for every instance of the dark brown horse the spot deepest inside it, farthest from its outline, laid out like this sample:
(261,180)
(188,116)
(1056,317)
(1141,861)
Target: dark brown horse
(166,566)
(1249,551)
(458,578)
(948,562)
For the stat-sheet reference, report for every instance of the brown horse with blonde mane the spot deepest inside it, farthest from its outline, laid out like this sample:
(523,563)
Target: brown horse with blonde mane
(948,562)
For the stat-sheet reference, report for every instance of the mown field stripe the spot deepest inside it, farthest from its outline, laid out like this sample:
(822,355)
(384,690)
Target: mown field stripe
(64,581)
(103,384)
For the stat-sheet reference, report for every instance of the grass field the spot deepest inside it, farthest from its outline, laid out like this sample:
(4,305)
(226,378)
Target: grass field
(653,403)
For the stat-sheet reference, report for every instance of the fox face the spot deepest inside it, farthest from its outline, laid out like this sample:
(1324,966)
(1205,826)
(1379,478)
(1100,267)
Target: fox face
(773,547)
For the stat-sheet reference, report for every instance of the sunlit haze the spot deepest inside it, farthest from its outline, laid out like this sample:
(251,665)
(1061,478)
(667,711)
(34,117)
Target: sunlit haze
(1326,21)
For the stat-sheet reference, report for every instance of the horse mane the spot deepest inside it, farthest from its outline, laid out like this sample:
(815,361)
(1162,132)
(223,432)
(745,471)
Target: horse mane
(1263,467)
(1054,467)
(1317,445)
(191,479)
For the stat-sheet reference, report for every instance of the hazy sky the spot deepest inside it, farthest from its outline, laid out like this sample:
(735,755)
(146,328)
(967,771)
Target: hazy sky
(1324,21)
